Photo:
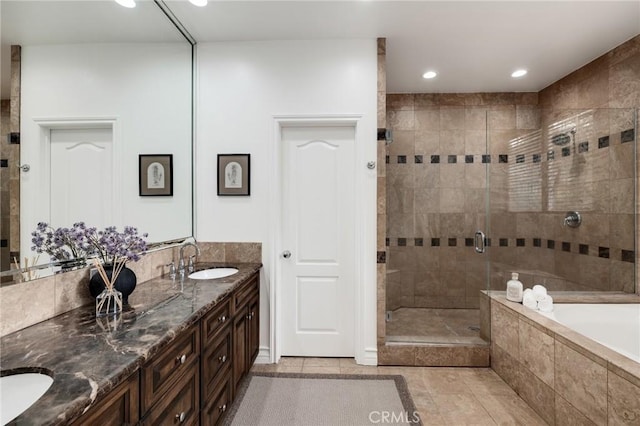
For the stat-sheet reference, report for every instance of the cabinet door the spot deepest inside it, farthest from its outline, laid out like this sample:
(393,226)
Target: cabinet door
(254,331)
(240,329)
(118,407)
(216,361)
(180,405)
(214,321)
(213,413)
(161,372)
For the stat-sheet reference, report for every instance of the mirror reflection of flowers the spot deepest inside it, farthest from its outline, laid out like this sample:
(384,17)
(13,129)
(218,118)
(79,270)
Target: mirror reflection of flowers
(62,243)
(81,241)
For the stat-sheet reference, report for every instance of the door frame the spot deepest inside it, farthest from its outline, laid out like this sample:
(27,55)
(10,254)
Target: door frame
(362,354)
(40,157)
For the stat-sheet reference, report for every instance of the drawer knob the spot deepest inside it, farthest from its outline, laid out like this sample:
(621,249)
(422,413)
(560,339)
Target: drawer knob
(223,408)
(222,318)
(181,359)
(222,359)
(180,417)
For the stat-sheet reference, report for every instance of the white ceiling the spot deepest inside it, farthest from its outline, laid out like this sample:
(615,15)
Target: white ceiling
(474,45)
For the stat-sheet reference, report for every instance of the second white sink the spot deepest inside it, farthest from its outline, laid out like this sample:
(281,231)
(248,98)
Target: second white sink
(211,274)
(19,391)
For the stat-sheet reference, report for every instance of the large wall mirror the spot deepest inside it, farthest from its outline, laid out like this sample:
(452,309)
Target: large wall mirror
(100,86)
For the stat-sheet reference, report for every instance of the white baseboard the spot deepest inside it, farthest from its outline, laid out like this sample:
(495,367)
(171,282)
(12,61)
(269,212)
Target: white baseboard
(264,355)
(369,357)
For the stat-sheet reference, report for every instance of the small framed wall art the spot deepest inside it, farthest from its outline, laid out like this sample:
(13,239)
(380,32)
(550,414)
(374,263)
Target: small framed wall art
(234,174)
(155,175)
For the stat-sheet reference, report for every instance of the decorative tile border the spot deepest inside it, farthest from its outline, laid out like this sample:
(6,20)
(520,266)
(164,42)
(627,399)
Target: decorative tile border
(580,148)
(565,246)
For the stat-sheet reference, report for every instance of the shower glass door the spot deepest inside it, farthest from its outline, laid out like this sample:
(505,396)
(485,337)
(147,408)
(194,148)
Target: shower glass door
(437,185)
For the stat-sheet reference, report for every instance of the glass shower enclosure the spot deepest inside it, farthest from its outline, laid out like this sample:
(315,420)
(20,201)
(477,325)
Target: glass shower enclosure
(553,191)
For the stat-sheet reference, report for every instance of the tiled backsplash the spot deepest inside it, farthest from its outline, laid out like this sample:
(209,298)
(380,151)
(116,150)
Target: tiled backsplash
(25,304)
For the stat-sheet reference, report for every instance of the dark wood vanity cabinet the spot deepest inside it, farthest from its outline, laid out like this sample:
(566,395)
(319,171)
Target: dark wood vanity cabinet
(246,328)
(217,361)
(194,379)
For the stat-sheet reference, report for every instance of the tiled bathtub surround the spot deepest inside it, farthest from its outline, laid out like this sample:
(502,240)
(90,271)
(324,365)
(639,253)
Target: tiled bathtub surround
(565,377)
(25,304)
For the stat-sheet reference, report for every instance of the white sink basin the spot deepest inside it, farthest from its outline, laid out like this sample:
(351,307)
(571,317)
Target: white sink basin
(19,391)
(211,274)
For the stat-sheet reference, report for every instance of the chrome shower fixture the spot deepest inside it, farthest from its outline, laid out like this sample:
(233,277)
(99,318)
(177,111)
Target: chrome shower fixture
(561,139)
(572,219)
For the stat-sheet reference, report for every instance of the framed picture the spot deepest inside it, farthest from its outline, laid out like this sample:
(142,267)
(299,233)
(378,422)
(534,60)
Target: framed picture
(155,175)
(234,174)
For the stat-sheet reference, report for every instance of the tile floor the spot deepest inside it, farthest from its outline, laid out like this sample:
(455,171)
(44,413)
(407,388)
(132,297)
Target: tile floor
(443,396)
(435,326)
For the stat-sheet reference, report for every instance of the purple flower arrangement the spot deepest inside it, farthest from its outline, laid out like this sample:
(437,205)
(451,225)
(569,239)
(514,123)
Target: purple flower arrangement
(112,246)
(81,241)
(62,243)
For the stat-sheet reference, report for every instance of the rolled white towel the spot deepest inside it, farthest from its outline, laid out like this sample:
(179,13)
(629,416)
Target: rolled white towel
(546,304)
(529,300)
(539,292)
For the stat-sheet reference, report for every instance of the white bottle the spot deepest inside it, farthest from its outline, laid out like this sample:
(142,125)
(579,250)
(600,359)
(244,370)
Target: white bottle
(514,288)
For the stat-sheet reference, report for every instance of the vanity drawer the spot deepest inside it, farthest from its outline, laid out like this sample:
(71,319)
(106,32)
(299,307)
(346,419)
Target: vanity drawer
(246,292)
(166,367)
(215,411)
(119,407)
(216,362)
(215,320)
(180,404)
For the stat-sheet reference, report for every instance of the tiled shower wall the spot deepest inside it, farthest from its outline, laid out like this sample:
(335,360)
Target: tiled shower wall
(436,190)
(591,173)
(9,171)
(381,226)
(436,175)
(5,258)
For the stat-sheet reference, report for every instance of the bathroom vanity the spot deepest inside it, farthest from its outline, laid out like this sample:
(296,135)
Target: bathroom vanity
(176,356)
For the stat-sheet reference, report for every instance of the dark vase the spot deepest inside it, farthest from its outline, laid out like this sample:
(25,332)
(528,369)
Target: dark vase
(125,283)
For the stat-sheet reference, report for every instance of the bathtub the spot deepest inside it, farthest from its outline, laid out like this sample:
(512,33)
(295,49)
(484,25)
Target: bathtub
(616,326)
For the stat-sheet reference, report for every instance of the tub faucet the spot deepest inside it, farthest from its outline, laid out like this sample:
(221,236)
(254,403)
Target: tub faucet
(181,267)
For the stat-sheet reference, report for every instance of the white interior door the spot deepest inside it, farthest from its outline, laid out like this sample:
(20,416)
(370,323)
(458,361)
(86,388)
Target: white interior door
(318,217)
(81,177)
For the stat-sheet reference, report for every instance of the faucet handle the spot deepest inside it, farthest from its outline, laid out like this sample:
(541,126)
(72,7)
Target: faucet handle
(172,269)
(192,263)
(181,266)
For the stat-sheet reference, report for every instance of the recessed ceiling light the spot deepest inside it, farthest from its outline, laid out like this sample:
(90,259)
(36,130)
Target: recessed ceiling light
(519,73)
(199,3)
(429,74)
(126,3)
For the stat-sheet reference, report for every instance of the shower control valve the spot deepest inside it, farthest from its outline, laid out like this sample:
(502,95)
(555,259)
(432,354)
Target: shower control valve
(572,219)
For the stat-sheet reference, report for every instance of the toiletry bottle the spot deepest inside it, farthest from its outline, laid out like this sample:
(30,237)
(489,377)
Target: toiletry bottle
(514,288)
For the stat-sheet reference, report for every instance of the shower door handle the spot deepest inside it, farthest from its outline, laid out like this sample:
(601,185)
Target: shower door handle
(480,241)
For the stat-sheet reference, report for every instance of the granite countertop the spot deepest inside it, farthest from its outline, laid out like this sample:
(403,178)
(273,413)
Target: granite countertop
(87,357)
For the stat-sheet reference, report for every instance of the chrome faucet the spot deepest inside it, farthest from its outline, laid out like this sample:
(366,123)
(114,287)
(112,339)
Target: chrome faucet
(181,266)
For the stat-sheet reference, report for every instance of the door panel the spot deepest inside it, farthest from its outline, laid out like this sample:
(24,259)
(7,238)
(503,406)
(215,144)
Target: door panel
(81,168)
(318,217)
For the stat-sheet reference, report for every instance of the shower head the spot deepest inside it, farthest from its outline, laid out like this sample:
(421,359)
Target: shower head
(561,139)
